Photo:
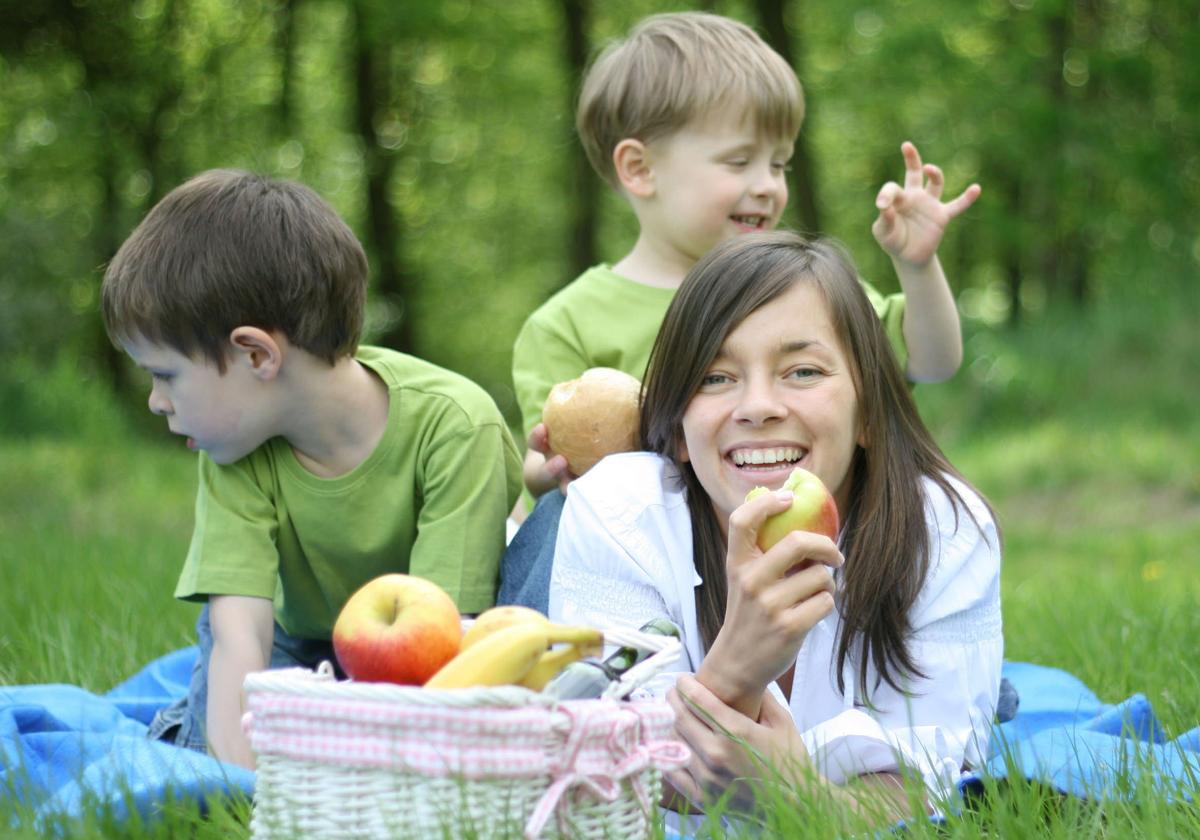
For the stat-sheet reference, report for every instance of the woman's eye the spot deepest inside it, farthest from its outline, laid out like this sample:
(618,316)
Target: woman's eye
(714,379)
(804,373)
(161,377)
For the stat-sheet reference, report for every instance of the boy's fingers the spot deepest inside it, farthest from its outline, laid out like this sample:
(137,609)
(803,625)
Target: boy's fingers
(912,165)
(964,201)
(889,194)
(935,180)
(556,465)
(539,439)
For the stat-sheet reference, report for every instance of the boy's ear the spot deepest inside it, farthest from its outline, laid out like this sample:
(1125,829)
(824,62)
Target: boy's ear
(260,349)
(632,165)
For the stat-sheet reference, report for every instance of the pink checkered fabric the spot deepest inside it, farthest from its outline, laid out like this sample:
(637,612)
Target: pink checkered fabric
(472,743)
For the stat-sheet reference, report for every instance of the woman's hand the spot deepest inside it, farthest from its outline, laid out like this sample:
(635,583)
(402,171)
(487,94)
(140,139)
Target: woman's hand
(774,599)
(730,751)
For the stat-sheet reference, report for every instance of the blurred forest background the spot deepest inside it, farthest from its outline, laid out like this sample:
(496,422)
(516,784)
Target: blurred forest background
(443,132)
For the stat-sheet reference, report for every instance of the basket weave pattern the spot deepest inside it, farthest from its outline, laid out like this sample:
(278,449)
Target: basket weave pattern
(352,760)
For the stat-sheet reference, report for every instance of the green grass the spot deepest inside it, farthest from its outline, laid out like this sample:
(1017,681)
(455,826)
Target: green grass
(1082,432)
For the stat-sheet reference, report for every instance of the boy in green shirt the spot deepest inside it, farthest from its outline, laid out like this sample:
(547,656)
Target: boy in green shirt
(322,464)
(692,119)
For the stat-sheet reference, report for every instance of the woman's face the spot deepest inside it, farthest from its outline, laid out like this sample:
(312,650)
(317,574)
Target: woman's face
(779,394)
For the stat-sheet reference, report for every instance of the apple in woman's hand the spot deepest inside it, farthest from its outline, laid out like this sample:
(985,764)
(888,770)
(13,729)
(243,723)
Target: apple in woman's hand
(813,509)
(397,628)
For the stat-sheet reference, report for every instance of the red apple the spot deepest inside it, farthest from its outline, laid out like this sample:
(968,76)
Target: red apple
(813,509)
(397,628)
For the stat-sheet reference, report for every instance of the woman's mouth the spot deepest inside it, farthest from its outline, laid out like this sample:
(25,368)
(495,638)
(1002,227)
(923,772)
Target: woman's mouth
(766,459)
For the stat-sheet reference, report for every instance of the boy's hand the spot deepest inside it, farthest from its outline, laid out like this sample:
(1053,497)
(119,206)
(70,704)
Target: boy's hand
(543,469)
(913,218)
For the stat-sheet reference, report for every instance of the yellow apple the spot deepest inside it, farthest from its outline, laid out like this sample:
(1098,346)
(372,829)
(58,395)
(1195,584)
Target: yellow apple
(593,416)
(397,628)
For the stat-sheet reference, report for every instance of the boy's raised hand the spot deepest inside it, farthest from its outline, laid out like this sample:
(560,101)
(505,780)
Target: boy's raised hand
(913,217)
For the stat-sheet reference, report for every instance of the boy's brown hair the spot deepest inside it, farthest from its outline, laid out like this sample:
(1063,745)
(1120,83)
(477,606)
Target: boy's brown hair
(228,249)
(674,68)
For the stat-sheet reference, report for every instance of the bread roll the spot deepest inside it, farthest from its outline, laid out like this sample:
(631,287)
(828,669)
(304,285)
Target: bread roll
(593,416)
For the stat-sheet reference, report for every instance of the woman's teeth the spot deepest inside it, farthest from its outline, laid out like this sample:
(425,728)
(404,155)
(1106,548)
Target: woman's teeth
(783,454)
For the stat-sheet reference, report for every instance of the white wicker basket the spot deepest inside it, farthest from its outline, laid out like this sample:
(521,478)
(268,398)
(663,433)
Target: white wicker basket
(357,760)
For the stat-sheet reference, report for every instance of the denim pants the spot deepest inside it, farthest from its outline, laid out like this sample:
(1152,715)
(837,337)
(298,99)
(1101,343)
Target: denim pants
(525,568)
(182,723)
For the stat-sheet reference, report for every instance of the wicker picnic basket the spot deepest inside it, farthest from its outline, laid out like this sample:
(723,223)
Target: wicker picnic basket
(355,760)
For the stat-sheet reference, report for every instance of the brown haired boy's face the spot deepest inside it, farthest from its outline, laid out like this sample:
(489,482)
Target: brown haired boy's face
(214,411)
(717,177)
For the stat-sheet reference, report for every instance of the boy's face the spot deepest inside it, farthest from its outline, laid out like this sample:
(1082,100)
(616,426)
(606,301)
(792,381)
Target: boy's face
(214,411)
(716,177)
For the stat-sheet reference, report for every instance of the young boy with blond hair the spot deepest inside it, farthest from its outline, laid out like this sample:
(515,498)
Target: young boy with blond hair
(322,464)
(692,119)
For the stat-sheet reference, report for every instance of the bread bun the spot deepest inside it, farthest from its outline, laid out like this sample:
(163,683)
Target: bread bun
(593,416)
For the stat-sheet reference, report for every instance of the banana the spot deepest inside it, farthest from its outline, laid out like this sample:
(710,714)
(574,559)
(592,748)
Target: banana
(553,661)
(497,618)
(575,634)
(500,658)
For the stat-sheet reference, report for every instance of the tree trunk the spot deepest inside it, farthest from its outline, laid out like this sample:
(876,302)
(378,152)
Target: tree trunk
(383,235)
(803,177)
(585,184)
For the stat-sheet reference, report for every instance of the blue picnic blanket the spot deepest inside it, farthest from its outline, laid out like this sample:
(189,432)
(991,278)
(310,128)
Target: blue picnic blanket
(64,750)
(1063,736)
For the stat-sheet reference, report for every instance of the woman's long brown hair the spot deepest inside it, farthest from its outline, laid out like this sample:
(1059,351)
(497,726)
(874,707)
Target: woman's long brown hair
(885,538)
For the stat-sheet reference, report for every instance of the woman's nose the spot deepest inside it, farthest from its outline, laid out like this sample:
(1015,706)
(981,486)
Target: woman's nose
(759,403)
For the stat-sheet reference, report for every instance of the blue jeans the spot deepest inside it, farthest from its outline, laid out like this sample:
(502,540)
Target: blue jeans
(182,723)
(525,568)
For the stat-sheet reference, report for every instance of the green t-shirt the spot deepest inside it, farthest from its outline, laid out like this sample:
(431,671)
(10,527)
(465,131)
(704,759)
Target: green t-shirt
(430,500)
(605,320)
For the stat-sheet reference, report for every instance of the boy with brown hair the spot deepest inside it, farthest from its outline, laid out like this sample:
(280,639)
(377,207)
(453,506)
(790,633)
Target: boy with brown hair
(692,119)
(323,464)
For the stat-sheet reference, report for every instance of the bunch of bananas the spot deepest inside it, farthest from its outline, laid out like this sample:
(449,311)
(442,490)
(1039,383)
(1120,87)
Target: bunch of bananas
(513,645)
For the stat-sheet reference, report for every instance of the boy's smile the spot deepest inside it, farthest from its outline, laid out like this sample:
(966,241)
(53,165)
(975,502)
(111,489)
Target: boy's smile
(717,177)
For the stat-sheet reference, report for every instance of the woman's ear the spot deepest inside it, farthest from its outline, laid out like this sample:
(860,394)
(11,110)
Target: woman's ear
(683,450)
(260,349)
(632,164)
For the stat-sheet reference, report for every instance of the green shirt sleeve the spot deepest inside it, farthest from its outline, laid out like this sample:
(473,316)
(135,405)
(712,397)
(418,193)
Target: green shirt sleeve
(469,483)
(542,358)
(890,309)
(233,548)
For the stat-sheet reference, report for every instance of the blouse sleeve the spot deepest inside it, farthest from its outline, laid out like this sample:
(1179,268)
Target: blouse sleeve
(596,580)
(941,724)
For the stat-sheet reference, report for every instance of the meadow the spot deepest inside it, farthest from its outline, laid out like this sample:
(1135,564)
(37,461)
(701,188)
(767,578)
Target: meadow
(1082,431)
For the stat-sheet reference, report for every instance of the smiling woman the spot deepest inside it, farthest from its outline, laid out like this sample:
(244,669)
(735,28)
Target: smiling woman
(873,658)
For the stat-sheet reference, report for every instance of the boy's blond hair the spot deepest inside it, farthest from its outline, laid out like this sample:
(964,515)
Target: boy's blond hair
(674,68)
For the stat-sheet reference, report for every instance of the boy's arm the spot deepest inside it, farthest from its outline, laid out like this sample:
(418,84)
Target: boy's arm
(243,630)
(912,220)
(469,480)
(541,359)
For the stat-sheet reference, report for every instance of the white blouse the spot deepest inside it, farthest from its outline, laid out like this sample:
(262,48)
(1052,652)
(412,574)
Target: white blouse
(624,556)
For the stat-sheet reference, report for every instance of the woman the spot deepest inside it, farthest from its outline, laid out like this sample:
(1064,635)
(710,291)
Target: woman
(870,659)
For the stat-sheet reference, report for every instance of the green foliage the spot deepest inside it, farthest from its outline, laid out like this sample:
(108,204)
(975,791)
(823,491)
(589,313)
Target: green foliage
(1074,117)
